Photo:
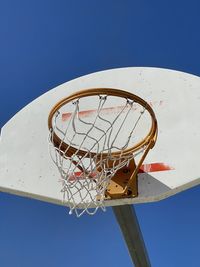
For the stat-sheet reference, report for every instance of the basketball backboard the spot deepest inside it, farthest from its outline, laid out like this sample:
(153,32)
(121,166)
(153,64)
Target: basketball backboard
(171,166)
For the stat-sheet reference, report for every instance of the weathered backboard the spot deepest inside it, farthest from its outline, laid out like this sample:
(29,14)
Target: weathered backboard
(171,166)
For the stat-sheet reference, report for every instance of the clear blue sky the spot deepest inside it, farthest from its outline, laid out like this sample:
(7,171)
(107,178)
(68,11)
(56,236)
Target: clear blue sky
(44,43)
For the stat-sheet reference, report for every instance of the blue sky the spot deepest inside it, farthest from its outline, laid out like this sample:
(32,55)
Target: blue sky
(45,43)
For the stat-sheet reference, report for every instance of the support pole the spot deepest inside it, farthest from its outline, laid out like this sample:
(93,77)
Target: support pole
(127,220)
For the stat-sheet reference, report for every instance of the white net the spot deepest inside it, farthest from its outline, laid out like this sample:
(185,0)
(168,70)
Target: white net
(100,128)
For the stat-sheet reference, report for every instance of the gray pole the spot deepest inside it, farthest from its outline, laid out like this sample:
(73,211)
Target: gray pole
(130,228)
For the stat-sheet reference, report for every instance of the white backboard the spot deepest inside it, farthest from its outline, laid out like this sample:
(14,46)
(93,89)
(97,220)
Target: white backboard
(171,166)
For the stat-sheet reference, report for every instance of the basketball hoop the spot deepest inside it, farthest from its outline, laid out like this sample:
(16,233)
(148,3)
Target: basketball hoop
(98,140)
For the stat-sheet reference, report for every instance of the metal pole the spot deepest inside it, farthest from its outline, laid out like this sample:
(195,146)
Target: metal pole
(130,228)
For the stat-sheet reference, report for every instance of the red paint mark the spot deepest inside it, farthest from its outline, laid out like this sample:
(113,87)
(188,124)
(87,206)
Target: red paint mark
(79,176)
(145,168)
(155,167)
(88,113)
(105,111)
